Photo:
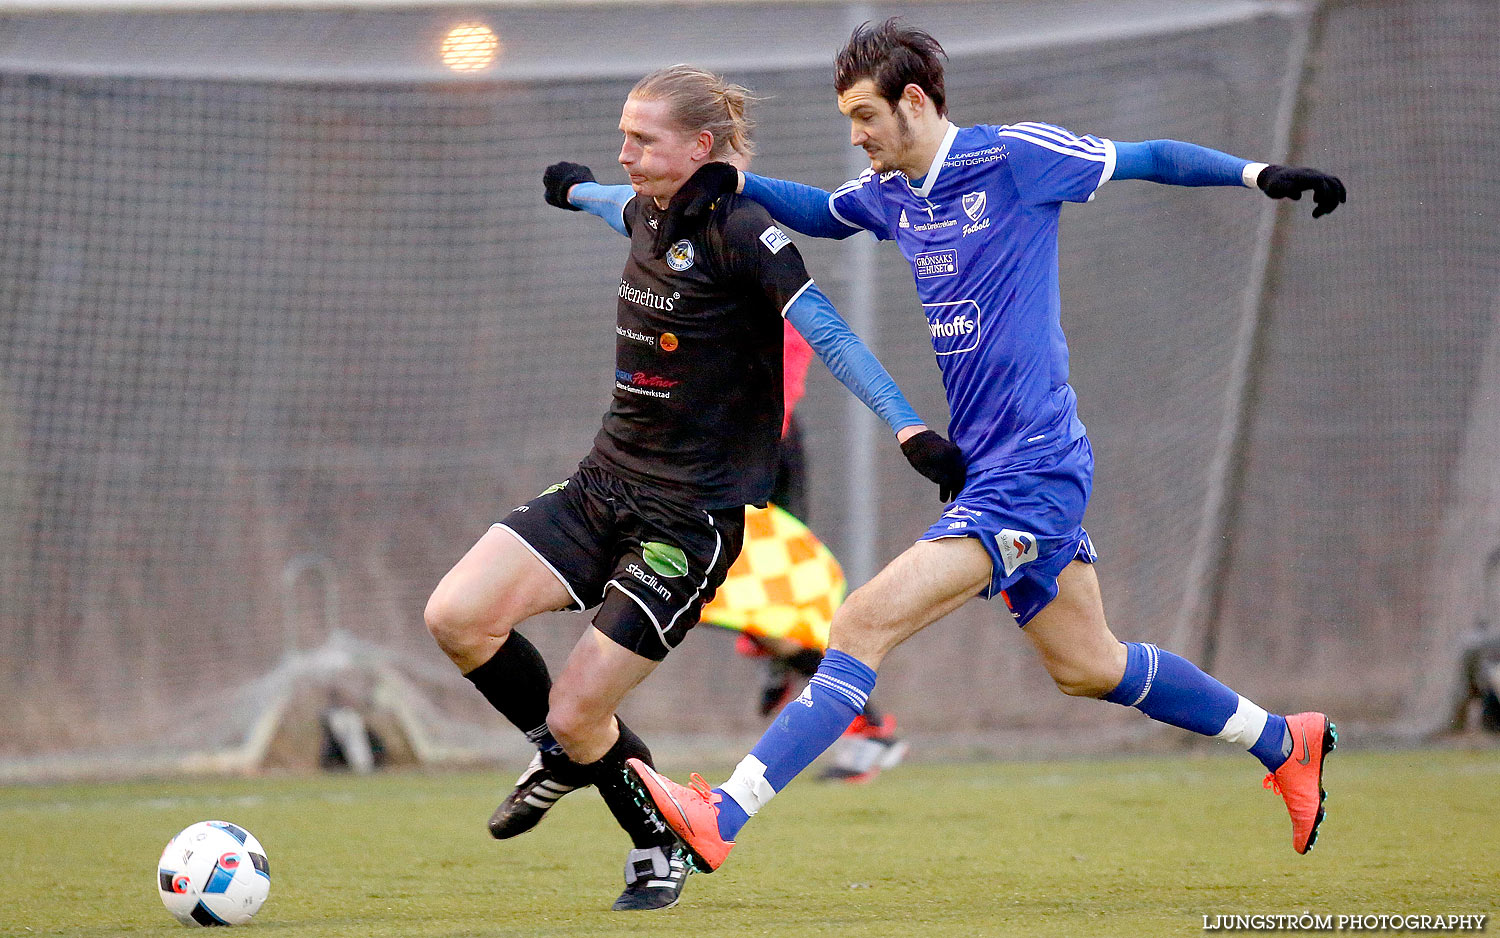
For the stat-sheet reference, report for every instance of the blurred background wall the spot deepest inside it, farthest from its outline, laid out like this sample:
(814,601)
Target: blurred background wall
(285,325)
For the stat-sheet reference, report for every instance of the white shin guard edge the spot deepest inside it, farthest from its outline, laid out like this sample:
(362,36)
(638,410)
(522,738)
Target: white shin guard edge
(1244,728)
(748,786)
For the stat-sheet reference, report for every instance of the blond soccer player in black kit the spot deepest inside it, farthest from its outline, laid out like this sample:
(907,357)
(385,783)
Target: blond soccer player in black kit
(646,527)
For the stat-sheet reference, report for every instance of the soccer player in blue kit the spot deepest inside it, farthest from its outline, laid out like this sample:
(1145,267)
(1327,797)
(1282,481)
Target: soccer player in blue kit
(975,211)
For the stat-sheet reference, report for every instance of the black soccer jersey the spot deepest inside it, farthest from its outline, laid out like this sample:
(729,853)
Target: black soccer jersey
(697,406)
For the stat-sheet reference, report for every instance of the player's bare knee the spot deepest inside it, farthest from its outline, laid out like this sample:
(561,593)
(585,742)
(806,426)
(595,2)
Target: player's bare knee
(858,630)
(566,727)
(456,627)
(441,618)
(574,720)
(1078,679)
(1092,689)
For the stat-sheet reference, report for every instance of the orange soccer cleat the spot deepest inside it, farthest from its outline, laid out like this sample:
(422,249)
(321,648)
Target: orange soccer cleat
(1299,781)
(691,811)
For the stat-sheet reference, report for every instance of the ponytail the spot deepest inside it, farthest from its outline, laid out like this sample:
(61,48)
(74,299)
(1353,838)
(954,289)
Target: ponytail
(699,100)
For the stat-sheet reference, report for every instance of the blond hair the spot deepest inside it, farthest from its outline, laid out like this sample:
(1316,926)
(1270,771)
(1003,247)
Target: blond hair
(699,100)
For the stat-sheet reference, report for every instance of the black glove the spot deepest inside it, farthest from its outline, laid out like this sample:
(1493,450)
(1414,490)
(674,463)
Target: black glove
(559,178)
(1289,182)
(939,460)
(689,208)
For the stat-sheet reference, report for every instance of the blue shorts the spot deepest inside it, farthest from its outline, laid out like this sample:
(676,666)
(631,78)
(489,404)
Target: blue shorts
(1029,517)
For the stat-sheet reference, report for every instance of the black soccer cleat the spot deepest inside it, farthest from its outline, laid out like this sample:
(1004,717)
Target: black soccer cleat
(654,878)
(535,793)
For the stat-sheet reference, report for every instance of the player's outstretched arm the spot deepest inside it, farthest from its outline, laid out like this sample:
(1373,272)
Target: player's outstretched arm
(571,186)
(857,368)
(804,209)
(1173,162)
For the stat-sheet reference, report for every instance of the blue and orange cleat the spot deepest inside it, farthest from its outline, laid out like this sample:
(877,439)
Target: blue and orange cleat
(1299,781)
(690,811)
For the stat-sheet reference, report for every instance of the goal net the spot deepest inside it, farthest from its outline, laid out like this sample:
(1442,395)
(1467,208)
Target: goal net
(285,325)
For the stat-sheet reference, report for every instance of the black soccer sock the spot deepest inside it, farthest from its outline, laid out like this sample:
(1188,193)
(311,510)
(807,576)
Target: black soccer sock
(516,683)
(643,827)
(566,771)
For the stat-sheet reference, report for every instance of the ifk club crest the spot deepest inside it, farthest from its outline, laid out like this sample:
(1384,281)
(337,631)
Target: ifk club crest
(974,204)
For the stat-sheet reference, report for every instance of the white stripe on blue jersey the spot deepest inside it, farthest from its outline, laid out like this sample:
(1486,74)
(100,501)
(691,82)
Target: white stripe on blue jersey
(1057,140)
(1056,133)
(834,209)
(856,183)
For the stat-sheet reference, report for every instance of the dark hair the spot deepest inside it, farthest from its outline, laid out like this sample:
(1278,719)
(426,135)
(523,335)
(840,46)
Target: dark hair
(892,55)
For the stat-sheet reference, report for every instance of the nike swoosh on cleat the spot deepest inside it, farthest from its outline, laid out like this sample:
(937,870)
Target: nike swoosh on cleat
(1306,752)
(680,813)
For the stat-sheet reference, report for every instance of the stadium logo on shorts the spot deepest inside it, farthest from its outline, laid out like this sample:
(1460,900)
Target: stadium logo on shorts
(680,255)
(651,582)
(1016,548)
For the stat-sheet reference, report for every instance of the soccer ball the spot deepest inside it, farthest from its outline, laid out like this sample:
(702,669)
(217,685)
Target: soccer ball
(213,873)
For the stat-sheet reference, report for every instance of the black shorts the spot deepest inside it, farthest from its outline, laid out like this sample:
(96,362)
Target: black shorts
(649,563)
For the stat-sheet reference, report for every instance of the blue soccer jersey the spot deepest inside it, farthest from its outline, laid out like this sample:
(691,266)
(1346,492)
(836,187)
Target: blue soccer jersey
(980,233)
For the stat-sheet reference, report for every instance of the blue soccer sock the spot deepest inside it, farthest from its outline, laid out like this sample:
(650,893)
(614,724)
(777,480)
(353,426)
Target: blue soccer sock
(1172,689)
(803,730)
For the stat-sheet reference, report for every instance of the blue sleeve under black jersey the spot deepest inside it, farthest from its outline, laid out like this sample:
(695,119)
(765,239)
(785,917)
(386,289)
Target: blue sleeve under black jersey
(607,202)
(811,313)
(761,253)
(803,209)
(1175,163)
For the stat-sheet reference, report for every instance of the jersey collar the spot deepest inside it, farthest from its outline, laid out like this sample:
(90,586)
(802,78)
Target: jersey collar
(930,179)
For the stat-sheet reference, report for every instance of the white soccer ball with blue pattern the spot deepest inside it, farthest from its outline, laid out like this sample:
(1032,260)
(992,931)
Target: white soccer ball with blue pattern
(213,873)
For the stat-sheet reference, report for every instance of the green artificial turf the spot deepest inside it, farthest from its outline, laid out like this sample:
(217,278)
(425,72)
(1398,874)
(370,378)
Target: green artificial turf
(1108,847)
